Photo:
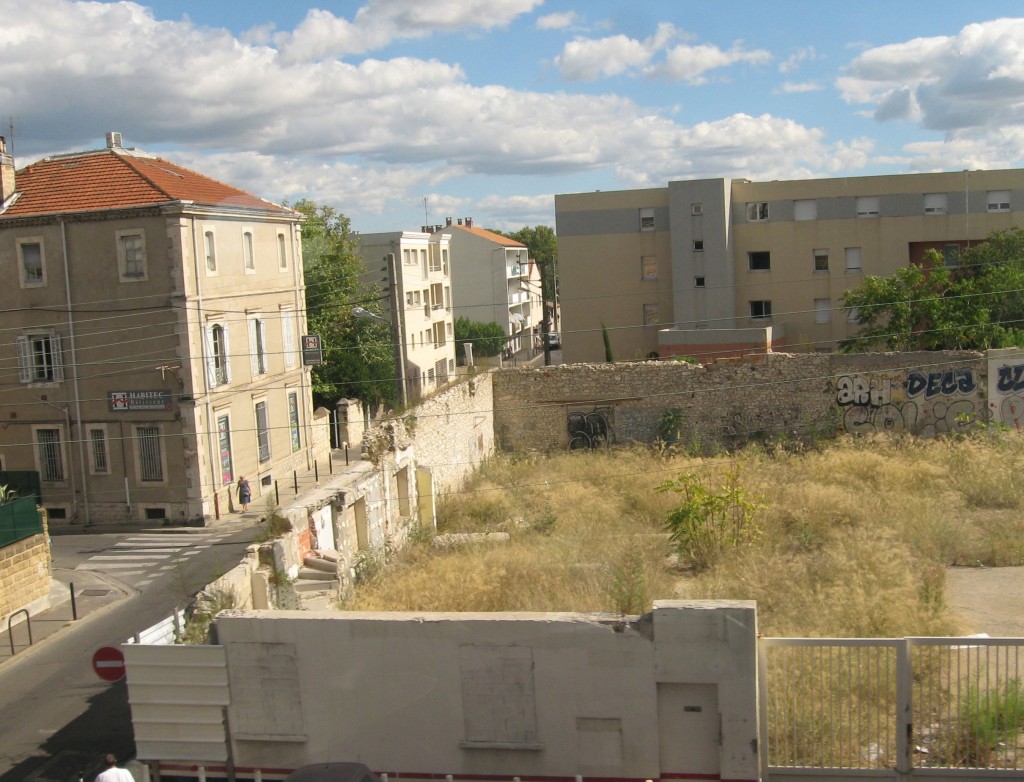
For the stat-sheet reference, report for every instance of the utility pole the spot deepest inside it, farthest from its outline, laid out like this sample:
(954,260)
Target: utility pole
(397,330)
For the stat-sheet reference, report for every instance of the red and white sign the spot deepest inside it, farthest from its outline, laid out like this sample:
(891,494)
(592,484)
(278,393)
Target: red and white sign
(108,662)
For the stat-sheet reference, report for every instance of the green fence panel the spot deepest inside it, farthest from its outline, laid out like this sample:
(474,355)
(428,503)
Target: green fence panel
(19,519)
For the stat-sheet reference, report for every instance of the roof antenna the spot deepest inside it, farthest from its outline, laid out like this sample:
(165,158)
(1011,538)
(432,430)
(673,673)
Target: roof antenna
(10,135)
(426,220)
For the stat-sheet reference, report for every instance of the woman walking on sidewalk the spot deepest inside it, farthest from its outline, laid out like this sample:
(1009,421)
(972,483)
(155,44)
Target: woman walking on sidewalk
(244,493)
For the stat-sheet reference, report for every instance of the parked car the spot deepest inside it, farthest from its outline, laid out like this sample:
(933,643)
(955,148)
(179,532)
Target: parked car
(332,772)
(554,339)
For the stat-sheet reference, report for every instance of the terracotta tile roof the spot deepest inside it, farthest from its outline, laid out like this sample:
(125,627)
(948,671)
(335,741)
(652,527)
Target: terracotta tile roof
(483,233)
(117,179)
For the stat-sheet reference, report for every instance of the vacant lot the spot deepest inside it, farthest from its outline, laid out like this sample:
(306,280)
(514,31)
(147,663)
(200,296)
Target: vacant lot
(852,538)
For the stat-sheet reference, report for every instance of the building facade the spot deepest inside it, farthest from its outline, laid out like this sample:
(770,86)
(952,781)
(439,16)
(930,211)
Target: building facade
(718,267)
(151,323)
(420,306)
(494,280)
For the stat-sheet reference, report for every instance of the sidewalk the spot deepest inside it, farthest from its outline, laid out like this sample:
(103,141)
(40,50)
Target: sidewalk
(93,592)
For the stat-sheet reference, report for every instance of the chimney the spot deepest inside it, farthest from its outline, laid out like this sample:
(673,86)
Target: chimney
(469,222)
(6,172)
(447,221)
(460,221)
(113,140)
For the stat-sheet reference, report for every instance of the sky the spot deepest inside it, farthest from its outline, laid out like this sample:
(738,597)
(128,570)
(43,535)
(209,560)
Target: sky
(401,113)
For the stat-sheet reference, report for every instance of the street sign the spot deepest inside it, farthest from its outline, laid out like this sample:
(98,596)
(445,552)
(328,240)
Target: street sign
(108,662)
(312,350)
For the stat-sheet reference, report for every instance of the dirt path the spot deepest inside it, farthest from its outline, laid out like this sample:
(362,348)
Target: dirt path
(988,600)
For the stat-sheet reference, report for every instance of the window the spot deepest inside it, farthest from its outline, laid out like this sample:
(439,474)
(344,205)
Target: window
(439,334)
(218,363)
(760,310)
(151,463)
(408,259)
(211,252)
(697,209)
(423,263)
(444,261)
(288,337)
(935,203)
(293,420)
(31,262)
(247,252)
(648,267)
(49,453)
(806,209)
(227,470)
(757,211)
(436,296)
(821,260)
(282,253)
(822,311)
(441,370)
(698,282)
(408,298)
(650,314)
(98,462)
(867,206)
(951,255)
(647,218)
(998,200)
(435,260)
(131,255)
(853,315)
(39,358)
(698,245)
(760,261)
(262,432)
(258,346)
(853,259)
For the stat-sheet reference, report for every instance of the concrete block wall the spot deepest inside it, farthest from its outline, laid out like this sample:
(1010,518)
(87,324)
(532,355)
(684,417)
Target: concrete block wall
(730,402)
(25,575)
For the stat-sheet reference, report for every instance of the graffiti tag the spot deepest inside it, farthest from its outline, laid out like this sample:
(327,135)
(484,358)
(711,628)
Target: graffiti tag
(952,381)
(1011,378)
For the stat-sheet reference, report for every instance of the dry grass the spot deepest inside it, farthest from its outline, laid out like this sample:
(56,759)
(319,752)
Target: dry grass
(854,536)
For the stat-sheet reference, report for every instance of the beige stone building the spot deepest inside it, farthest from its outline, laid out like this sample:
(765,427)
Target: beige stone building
(717,267)
(424,328)
(151,326)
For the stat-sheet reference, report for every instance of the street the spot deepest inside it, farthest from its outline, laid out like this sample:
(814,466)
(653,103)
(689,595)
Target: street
(57,717)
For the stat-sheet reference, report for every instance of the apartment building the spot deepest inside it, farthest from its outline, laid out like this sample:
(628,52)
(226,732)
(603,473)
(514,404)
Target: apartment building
(718,267)
(150,356)
(423,325)
(494,280)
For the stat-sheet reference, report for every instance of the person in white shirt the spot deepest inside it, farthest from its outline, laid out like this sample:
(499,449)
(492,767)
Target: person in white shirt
(113,773)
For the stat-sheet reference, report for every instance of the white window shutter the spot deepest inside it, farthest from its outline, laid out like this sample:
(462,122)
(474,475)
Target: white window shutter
(227,353)
(58,358)
(211,370)
(254,359)
(24,360)
(288,335)
(264,358)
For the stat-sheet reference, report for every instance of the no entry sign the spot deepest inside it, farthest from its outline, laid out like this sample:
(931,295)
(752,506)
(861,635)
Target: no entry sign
(108,662)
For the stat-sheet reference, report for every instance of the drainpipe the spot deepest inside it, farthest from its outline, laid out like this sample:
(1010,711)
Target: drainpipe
(78,396)
(302,327)
(210,422)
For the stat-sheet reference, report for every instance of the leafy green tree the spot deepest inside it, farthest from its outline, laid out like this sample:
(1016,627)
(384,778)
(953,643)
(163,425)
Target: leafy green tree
(543,246)
(358,355)
(608,355)
(975,305)
(487,339)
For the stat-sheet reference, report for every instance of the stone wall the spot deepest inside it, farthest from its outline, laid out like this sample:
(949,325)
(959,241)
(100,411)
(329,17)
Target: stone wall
(25,575)
(730,402)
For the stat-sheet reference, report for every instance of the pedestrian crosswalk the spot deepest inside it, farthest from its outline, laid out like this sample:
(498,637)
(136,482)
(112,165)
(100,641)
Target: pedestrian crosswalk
(141,558)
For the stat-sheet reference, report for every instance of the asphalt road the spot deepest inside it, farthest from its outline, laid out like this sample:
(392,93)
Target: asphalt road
(56,716)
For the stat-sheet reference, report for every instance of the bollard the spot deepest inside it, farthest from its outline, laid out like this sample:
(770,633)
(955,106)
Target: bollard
(277,495)
(74,605)
(346,453)
(330,461)
(316,470)
(295,480)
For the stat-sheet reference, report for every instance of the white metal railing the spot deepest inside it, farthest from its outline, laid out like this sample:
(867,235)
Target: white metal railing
(870,705)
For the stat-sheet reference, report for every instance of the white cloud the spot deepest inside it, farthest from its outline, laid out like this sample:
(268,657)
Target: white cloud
(798,58)
(587,59)
(557,21)
(970,83)
(800,86)
(322,34)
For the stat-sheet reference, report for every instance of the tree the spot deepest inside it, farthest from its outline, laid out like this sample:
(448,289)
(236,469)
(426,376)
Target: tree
(358,355)
(975,305)
(487,339)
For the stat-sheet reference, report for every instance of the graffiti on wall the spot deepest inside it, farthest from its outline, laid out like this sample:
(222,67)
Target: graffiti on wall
(926,403)
(591,429)
(1008,395)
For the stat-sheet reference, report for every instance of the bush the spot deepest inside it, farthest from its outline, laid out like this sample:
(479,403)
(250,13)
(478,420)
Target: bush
(487,339)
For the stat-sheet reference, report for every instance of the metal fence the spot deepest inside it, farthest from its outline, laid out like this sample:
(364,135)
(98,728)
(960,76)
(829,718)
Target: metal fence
(867,705)
(19,519)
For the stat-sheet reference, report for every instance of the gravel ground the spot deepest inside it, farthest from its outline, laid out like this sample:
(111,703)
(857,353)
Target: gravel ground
(988,600)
